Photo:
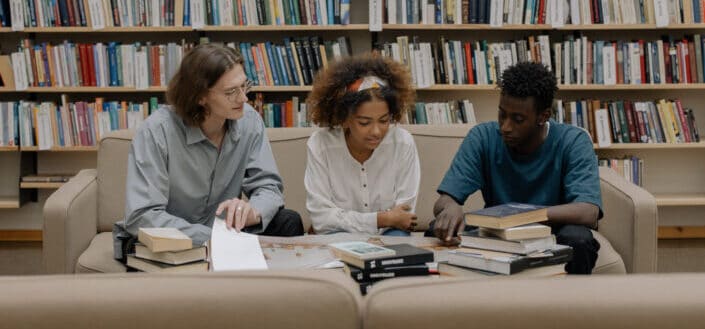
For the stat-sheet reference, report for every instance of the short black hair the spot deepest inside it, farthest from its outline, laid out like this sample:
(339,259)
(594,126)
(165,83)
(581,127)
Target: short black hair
(529,79)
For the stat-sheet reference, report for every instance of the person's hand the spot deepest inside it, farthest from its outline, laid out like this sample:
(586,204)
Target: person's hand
(449,222)
(398,217)
(239,214)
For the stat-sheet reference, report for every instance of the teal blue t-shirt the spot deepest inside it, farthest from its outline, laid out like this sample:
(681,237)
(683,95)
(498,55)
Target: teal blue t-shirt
(562,170)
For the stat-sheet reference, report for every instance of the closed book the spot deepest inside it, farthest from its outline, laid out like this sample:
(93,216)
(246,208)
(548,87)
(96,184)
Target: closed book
(446,269)
(527,231)
(159,239)
(360,250)
(361,275)
(406,254)
(507,263)
(150,266)
(473,239)
(171,257)
(507,215)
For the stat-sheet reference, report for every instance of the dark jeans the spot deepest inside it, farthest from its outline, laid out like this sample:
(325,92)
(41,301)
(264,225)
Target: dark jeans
(578,237)
(285,223)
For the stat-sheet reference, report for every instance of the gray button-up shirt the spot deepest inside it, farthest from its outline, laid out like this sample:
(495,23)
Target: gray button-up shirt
(177,178)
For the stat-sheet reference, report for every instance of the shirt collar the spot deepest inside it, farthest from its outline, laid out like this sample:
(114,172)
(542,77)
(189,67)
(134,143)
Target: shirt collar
(194,134)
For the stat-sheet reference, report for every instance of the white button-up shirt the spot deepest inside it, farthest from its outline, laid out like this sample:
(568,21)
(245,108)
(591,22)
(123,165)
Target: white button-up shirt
(345,195)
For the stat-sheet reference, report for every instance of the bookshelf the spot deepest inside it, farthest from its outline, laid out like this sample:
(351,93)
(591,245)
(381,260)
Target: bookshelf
(38,185)
(672,171)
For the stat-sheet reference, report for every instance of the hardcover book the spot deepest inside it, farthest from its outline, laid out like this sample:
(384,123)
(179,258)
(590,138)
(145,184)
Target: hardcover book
(361,275)
(507,215)
(405,254)
(159,239)
(474,239)
(171,257)
(527,231)
(146,265)
(507,263)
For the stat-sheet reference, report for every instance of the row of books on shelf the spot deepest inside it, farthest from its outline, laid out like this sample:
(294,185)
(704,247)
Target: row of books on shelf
(141,65)
(576,60)
(449,112)
(48,124)
(624,121)
(630,167)
(98,14)
(554,12)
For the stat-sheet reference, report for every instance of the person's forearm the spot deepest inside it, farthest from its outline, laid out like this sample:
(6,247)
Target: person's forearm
(579,213)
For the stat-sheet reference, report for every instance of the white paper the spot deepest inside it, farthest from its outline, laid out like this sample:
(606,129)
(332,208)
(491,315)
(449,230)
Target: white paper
(232,251)
(603,128)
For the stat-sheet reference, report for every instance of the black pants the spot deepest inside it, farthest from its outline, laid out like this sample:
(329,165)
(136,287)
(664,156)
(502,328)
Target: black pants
(285,223)
(579,237)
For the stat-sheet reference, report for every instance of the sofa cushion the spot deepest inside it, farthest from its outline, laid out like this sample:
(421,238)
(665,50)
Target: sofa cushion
(112,174)
(608,260)
(576,302)
(98,257)
(303,299)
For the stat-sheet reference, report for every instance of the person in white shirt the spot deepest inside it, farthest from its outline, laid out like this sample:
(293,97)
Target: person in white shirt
(362,173)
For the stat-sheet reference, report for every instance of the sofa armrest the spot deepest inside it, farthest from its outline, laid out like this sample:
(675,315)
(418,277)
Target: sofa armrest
(630,221)
(70,222)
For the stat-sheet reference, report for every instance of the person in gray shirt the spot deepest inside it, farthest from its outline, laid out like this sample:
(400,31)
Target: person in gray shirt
(192,160)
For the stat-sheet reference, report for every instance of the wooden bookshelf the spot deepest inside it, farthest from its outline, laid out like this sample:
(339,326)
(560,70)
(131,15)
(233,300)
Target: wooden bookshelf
(672,200)
(41,185)
(172,29)
(681,232)
(539,27)
(651,146)
(96,90)
(21,235)
(60,149)
(646,87)
(9,148)
(9,203)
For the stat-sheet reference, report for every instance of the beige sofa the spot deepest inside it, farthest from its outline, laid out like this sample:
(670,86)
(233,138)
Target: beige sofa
(328,299)
(78,217)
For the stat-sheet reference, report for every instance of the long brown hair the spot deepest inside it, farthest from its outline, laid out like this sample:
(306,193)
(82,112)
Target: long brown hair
(200,69)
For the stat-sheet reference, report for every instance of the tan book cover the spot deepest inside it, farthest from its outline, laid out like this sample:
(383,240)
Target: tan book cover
(171,257)
(159,239)
(6,74)
(146,265)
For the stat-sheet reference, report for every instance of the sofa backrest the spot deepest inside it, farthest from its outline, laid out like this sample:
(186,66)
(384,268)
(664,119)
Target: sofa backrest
(259,299)
(112,172)
(577,302)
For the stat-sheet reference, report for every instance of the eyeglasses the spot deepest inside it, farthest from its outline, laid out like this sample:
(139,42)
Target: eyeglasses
(234,94)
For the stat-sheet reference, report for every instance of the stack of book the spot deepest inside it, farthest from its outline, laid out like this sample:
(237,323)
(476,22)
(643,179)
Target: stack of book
(368,263)
(508,240)
(166,249)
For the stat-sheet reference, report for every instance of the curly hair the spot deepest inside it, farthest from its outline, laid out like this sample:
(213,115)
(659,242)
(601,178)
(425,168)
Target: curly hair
(530,79)
(330,102)
(200,69)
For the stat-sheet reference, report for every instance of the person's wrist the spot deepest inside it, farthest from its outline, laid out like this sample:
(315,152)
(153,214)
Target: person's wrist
(383,219)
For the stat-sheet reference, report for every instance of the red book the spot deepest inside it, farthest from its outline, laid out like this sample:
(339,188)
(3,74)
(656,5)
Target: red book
(629,113)
(90,52)
(684,128)
(691,63)
(642,135)
(57,14)
(83,61)
(154,53)
(468,63)
(667,62)
(289,114)
(71,8)
(541,13)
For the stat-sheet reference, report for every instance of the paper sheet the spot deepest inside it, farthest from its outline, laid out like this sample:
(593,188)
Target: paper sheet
(232,251)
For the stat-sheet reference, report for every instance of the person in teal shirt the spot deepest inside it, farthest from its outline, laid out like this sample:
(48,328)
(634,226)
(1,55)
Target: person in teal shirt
(526,157)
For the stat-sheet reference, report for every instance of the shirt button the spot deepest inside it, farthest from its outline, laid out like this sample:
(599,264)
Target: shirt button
(363,169)
(364,185)
(365,205)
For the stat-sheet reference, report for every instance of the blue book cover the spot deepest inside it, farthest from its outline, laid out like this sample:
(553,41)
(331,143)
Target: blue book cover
(277,115)
(292,64)
(187,13)
(112,65)
(60,126)
(331,12)
(96,67)
(344,12)
(280,54)
(420,109)
(273,63)
(15,116)
(247,57)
